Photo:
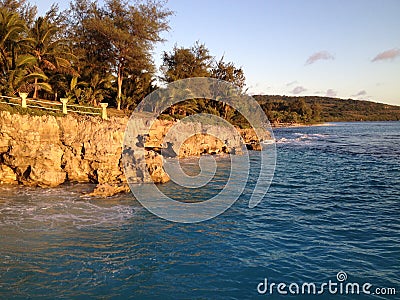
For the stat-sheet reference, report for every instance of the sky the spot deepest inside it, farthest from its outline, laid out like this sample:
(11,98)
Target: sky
(337,48)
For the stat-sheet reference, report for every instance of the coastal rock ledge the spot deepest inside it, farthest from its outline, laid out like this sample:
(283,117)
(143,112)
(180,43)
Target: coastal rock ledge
(47,151)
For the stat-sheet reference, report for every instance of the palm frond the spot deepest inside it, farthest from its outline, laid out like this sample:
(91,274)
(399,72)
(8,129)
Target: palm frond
(25,60)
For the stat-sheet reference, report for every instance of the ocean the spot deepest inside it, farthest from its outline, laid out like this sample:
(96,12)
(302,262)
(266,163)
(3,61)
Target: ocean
(330,220)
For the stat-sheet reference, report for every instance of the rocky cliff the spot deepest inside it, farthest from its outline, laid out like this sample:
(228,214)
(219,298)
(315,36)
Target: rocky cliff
(47,151)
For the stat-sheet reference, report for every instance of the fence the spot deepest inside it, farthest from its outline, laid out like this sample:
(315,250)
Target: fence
(61,106)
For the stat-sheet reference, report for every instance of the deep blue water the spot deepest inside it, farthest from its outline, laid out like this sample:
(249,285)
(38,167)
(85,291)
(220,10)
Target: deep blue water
(333,205)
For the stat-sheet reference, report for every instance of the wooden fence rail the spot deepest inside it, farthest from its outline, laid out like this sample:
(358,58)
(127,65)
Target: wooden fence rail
(61,106)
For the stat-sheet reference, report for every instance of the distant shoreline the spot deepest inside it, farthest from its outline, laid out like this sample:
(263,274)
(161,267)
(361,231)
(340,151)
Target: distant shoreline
(290,125)
(334,123)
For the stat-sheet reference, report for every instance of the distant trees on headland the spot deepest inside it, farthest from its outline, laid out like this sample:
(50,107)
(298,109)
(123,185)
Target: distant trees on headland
(312,109)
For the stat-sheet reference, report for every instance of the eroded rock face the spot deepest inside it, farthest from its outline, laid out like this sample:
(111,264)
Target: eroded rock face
(107,190)
(205,144)
(7,175)
(251,139)
(30,147)
(48,151)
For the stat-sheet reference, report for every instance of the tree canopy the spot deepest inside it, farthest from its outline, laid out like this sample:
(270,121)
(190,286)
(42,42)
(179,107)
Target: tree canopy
(94,53)
(89,53)
(196,61)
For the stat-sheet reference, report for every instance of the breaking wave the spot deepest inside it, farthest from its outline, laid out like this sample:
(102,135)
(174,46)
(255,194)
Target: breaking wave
(63,207)
(301,138)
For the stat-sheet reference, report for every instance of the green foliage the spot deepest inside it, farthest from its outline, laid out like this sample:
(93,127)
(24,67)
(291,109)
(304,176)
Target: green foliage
(16,109)
(29,47)
(136,86)
(23,8)
(105,51)
(184,63)
(120,37)
(228,72)
(196,61)
(313,109)
(52,53)
(11,30)
(93,92)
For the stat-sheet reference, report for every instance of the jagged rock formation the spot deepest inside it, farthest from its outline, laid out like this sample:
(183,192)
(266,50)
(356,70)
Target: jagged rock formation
(47,151)
(107,190)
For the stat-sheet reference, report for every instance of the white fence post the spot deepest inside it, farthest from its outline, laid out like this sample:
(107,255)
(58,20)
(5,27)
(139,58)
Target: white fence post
(23,99)
(64,103)
(104,111)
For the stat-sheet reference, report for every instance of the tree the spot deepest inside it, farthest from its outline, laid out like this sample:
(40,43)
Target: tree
(23,8)
(19,79)
(129,31)
(51,51)
(316,111)
(137,85)
(228,72)
(92,51)
(184,63)
(196,61)
(301,108)
(11,29)
(17,67)
(92,92)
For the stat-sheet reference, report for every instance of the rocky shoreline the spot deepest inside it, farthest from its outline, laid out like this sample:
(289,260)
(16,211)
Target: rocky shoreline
(47,151)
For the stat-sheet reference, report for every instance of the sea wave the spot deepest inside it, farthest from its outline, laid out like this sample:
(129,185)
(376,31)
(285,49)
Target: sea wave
(302,138)
(60,208)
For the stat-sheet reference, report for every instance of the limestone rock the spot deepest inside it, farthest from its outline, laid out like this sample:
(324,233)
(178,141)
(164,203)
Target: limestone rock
(108,190)
(155,167)
(7,175)
(48,151)
(251,139)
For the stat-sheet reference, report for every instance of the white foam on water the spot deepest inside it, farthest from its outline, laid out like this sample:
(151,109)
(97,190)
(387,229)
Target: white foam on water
(302,138)
(51,209)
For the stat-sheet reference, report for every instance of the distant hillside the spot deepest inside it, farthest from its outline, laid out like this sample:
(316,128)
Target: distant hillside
(311,109)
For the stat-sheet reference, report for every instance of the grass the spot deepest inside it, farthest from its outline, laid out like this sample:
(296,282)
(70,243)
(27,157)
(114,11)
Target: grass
(16,109)
(33,111)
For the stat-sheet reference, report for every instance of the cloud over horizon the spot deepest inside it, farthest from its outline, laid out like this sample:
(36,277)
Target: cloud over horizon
(387,55)
(360,93)
(321,55)
(331,93)
(298,90)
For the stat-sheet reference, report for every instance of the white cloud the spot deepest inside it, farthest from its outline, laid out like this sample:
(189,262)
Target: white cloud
(362,93)
(298,90)
(322,55)
(331,93)
(387,55)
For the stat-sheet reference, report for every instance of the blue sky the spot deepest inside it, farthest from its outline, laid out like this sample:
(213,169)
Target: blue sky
(346,49)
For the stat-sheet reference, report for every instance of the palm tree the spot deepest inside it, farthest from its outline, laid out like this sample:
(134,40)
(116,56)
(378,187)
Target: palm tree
(92,92)
(20,78)
(11,29)
(16,67)
(52,53)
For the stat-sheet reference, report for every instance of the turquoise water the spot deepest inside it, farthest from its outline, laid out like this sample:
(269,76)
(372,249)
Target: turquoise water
(333,206)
